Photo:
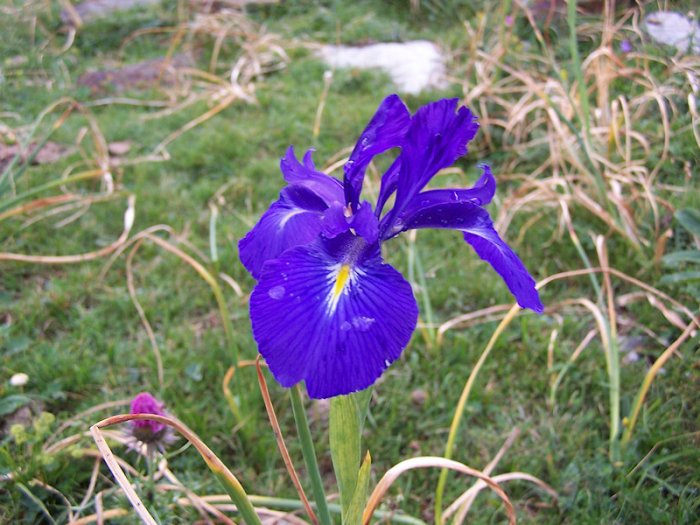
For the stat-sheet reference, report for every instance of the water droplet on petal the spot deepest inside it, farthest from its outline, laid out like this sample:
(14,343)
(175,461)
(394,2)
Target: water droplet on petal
(362,323)
(276,292)
(345,326)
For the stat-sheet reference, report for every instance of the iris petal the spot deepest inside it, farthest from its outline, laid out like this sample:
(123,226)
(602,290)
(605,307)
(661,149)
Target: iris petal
(481,193)
(329,189)
(388,185)
(332,315)
(479,232)
(293,220)
(437,137)
(492,249)
(365,224)
(386,130)
(334,221)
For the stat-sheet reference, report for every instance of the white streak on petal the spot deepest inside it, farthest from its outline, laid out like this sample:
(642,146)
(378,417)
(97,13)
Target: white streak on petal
(292,212)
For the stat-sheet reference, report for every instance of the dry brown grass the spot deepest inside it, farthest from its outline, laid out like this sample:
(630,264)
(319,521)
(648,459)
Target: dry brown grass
(251,53)
(601,156)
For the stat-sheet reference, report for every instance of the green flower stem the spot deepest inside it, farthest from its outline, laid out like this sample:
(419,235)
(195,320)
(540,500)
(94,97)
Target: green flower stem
(150,480)
(347,417)
(307,448)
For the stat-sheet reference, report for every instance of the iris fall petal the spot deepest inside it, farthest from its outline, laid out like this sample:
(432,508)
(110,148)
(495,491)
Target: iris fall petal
(293,220)
(332,316)
(475,223)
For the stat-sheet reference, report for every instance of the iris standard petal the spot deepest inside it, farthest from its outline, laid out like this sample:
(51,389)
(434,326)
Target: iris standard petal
(334,221)
(386,130)
(365,223)
(329,189)
(293,220)
(436,138)
(479,232)
(388,185)
(331,314)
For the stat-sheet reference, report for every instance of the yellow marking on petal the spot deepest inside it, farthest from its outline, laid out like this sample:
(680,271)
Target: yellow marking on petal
(341,280)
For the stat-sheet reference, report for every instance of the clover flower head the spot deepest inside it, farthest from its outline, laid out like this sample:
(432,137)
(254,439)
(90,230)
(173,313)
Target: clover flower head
(327,309)
(148,432)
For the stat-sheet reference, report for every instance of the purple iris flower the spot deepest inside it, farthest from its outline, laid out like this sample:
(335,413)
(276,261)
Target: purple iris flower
(327,310)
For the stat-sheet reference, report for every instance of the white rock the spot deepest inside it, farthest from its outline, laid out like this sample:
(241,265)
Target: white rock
(19,379)
(673,29)
(413,66)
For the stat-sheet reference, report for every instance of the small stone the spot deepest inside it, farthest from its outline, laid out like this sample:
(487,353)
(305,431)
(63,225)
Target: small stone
(144,74)
(119,149)
(630,357)
(20,379)
(419,397)
(90,10)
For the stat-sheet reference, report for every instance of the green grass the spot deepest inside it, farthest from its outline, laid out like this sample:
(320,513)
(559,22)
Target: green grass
(81,343)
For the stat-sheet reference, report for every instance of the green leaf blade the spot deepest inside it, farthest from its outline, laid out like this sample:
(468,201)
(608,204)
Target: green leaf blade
(690,220)
(683,256)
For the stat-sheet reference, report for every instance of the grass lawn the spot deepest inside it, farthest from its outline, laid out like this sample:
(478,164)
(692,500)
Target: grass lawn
(595,151)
